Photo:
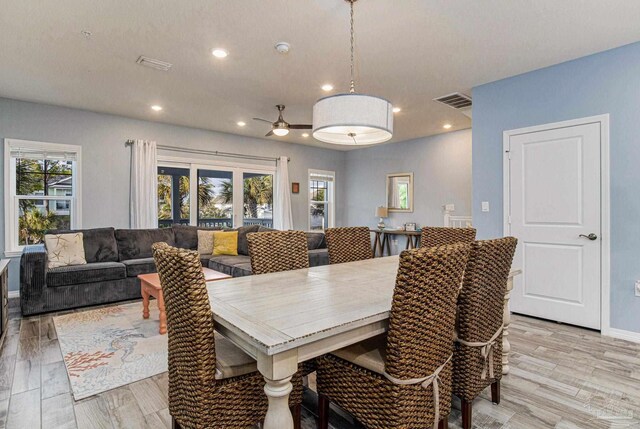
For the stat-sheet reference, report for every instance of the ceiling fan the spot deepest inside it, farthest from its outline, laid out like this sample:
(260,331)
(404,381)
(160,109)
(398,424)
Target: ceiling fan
(281,127)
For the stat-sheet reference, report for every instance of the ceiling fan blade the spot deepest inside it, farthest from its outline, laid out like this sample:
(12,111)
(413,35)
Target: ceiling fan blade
(300,126)
(269,134)
(263,120)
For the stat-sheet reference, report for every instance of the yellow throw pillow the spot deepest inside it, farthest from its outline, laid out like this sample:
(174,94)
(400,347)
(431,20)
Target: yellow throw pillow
(225,243)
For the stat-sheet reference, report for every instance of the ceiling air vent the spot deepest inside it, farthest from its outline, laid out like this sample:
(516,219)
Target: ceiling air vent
(153,63)
(457,101)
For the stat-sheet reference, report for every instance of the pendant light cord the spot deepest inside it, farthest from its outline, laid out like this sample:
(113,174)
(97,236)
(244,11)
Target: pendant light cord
(352,89)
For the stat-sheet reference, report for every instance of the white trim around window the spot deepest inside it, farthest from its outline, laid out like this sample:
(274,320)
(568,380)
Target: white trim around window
(12,247)
(330,195)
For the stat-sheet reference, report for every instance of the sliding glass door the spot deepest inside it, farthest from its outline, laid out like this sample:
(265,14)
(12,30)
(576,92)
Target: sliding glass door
(257,199)
(215,198)
(228,196)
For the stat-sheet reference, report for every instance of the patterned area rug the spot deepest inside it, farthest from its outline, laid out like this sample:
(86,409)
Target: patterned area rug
(110,347)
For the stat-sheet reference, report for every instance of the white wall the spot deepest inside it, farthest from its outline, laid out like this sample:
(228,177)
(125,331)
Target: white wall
(106,160)
(441,167)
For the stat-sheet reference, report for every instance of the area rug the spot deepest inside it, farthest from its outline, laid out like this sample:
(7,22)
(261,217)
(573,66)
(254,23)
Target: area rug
(109,347)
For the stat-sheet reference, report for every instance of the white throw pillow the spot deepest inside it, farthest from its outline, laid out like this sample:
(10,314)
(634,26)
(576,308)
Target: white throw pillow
(64,249)
(205,242)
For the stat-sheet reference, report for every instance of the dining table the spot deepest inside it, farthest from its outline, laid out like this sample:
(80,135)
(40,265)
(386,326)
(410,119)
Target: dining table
(283,319)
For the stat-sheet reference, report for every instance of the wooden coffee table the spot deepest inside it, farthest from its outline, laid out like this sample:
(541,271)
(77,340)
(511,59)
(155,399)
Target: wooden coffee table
(150,286)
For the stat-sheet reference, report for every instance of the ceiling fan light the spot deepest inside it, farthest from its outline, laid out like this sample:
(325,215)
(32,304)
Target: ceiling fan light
(281,132)
(353,119)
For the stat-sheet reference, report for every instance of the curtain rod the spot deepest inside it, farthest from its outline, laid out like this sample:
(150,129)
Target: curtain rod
(212,152)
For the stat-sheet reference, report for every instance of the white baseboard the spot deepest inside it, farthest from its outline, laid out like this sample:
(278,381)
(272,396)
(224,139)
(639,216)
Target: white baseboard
(623,335)
(14,294)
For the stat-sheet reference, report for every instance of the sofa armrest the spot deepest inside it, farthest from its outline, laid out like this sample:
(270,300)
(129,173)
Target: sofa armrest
(33,269)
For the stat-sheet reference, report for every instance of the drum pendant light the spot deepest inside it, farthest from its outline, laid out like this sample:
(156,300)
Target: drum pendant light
(352,118)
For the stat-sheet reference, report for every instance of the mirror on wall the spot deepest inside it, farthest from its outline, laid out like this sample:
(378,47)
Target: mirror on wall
(400,192)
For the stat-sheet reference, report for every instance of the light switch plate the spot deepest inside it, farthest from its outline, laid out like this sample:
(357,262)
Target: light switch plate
(485,206)
(450,207)
(637,287)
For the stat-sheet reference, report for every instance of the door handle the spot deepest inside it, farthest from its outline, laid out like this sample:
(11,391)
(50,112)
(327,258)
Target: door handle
(591,236)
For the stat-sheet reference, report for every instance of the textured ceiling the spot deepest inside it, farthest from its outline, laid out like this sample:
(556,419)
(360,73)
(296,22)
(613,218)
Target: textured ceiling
(408,51)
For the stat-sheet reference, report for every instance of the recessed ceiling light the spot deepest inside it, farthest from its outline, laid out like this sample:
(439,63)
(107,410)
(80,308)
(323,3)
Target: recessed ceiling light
(220,53)
(396,109)
(447,126)
(305,135)
(241,123)
(156,108)
(327,87)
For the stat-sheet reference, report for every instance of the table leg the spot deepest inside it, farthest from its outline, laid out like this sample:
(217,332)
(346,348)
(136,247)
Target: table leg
(385,240)
(278,412)
(163,314)
(277,371)
(506,321)
(145,301)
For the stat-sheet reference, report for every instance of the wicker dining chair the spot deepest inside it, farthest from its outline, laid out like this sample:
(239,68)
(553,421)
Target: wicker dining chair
(403,379)
(275,251)
(348,244)
(477,360)
(432,236)
(212,383)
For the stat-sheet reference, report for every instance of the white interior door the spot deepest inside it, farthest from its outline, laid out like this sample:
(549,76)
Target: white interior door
(555,212)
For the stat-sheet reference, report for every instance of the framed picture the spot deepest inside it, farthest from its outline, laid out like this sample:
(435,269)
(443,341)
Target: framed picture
(295,187)
(410,226)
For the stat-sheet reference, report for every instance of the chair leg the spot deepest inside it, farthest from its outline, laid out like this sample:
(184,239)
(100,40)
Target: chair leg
(296,412)
(466,413)
(444,423)
(175,424)
(323,412)
(495,392)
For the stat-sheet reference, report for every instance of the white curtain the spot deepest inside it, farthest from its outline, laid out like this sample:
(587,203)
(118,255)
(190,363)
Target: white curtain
(144,185)
(283,219)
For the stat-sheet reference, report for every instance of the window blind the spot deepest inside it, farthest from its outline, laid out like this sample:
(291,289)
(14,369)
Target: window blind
(321,177)
(30,153)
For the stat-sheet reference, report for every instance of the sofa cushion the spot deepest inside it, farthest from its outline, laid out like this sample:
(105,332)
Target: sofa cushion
(205,242)
(88,273)
(265,229)
(99,244)
(315,240)
(136,243)
(318,257)
(235,266)
(243,245)
(139,266)
(186,236)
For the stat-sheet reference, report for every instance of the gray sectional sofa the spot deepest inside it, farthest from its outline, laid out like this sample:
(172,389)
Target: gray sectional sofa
(115,257)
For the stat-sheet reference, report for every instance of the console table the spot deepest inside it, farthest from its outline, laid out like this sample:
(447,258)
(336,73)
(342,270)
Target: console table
(382,241)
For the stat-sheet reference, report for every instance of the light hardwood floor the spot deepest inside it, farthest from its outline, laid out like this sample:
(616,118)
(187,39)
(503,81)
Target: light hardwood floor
(561,376)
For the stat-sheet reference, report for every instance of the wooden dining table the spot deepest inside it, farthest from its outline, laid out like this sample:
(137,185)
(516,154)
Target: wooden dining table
(283,319)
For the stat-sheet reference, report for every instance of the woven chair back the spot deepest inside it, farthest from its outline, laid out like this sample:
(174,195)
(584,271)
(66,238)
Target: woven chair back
(192,357)
(480,313)
(276,251)
(348,244)
(423,310)
(432,236)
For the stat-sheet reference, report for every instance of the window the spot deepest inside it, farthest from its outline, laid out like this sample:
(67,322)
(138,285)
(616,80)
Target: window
(44,191)
(173,196)
(229,195)
(321,199)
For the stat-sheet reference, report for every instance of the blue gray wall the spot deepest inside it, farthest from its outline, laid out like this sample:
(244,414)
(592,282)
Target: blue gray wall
(608,82)
(441,166)
(105,159)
